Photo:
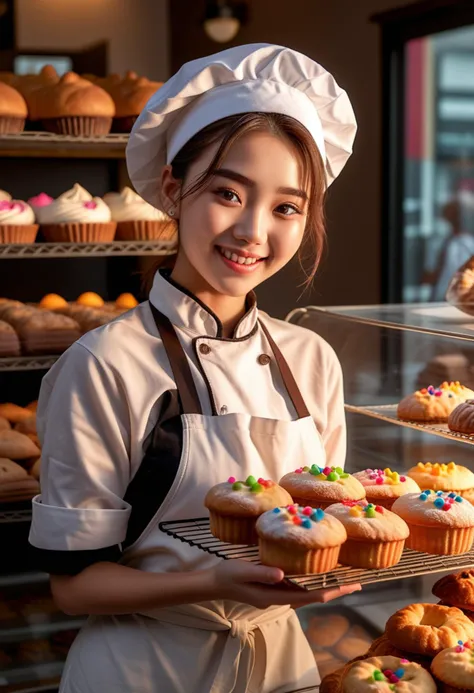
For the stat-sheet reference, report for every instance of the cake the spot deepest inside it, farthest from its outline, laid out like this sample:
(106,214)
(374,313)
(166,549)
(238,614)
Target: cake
(440,476)
(234,507)
(461,419)
(76,216)
(383,487)
(439,522)
(30,85)
(13,110)
(299,540)
(384,674)
(375,535)
(17,222)
(433,405)
(322,486)
(39,201)
(4,195)
(137,220)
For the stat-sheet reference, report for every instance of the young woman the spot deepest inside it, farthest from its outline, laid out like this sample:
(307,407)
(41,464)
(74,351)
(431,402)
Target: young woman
(142,416)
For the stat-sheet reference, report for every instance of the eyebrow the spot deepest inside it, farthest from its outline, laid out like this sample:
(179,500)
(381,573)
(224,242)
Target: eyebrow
(239,178)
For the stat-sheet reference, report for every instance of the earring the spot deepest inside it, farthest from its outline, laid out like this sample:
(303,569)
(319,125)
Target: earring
(171,212)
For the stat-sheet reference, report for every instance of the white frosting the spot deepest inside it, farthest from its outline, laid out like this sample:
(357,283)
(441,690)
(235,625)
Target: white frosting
(385,526)
(4,195)
(127,205)
(281,528)
(16,212)
(75,205)
(423,512)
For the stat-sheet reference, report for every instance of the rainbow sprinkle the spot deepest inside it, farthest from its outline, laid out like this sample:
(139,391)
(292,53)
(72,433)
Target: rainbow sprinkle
(255,485)
(324,473)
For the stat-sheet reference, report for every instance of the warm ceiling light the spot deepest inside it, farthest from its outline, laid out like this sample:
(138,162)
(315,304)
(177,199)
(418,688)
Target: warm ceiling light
(223,20)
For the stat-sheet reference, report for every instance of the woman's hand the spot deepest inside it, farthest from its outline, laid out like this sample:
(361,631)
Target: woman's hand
(260,586)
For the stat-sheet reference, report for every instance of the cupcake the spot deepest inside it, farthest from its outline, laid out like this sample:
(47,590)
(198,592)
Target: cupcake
(130,94)
(439,522)
(74,106)
(300,540)
(375,536)
(454,668)
(442,477)
(383,487)
(318,486)
(39,201)
(13,110)
(136,219)
(75,216)
(29,87)
(385,674)
(17,222)
(234,507)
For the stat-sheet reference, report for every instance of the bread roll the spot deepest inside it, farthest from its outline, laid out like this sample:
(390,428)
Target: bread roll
(13,413)
(17,446)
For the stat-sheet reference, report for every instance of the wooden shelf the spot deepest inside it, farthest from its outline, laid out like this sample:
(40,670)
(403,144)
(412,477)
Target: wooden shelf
(46,144)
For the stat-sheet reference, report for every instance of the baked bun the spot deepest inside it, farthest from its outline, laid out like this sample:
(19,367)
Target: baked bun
(437,476)
(461,419)
(321,486)
(9,342)
(27,426)
(454,667)
(130,96)
(5,425)
(370,674)
(456,589)
(382,646)
(383,487)
(326,630)
(16,446)
(13,413)
(427,629)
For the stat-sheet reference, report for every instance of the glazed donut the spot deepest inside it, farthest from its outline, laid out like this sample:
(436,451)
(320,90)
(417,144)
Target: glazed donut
(427,629)
(380,673)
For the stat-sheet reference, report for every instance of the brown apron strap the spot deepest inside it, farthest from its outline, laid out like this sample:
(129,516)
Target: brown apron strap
(179,364)
(288,379)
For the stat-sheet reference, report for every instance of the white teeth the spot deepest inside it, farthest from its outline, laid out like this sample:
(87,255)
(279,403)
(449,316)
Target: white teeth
(250,260)
(234,257)
(239,259)
(228,254)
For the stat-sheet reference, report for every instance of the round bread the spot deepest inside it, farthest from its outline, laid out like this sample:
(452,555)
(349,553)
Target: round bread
(10,471)
(13,413)
(427,629)
(240,498)
(4,424)
(349,647)
(382,487)
(321,487)
(460,292)
(454,666)
(461,418)
(469,495)
(327,629)
(456,589)
(378,674)
(441,476)
(428,405)
(12,103)
(27,425)
(17,446)
(331,683)
(130,94)
(73,96)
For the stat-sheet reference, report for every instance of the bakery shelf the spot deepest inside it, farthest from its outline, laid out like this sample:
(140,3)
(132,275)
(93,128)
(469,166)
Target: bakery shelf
(76,250)
(27,363)
(46,144)
(388,413)
(29,672)
(17,631)
(13,516)
(21,579)
(196,532)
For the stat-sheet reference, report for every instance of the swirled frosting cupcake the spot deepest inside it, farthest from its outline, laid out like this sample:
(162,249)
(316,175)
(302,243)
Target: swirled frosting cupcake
(137,219)
(384,486)
(17,222)
(76,216)
(322,486)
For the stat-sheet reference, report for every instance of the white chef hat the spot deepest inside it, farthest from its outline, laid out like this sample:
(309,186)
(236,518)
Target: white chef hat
(246,79)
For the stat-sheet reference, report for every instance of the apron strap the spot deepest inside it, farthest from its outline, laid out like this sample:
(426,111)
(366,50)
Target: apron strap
(287,376)
(179,364)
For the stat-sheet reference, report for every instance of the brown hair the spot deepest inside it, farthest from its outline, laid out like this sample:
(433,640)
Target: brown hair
(228,131)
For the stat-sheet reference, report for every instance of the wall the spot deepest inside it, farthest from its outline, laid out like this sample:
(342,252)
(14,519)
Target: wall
(338,35)
(136,29)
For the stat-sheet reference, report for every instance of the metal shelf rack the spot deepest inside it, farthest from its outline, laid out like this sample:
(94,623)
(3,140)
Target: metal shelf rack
(76,250)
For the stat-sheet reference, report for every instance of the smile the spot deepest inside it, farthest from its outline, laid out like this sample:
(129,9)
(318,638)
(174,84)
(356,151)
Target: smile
(240,259)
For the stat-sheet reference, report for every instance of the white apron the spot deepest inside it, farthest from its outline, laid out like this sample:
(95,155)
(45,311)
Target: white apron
(212,647)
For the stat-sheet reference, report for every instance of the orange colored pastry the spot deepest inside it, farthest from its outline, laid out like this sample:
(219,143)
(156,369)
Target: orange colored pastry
(13,110)
(469,495)
(29,85)
(456,589)
(454,667)
(439,522)
(17,446)
(4,424)
(383,487)
(126,301)
(442,477)
(382,646)
(52,302)
(27,426)
(461,419)
(433,405)
(234,507)
(130,95)
(13,413)
(427,629)
(89,298)
(300,540)
(384,674)
(321,486)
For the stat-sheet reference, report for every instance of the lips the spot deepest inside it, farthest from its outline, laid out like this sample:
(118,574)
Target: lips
(239,259)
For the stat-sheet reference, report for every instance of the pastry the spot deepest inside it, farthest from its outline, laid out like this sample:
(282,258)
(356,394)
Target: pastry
(35,470)
(433,405)
(439,522)
(326,630)
(461,419)
(331,683)
(17,222)
(52,302)
(13,413)
(327,662)
(469,495)
(234,507)
(16,446)
(74,106)
(321,486)
(4,424)
(45,332)
(382,674)
(382,487)
(382,646)
(9,342)
(27,426)
(90,299)
(29,86)
(350,647)
(38,201)
(138,220)
(442,477)
(375,536)
(454,667)
(300,540)
(13,110)
(427,629)
(21,490)
(456,589)
(126,301)
(130,95)
(75,216)
(10,471)
(4,195)
(460,292)
(32,406)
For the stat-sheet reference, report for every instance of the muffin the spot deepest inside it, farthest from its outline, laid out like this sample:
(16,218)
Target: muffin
(383,487)
(456,589)
(77,217)
(383,674)
(130,94)
(442,477)
(30,85)
(13,110)
(234,507)
(17,222)
(439,522)
(318,486)
(138,220)
(433,405)
(375,536)
(461,419)
(299,540)
(454,667)
(74,106)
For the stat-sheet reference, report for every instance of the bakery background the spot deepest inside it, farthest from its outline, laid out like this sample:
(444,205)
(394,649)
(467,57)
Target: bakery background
(401,208)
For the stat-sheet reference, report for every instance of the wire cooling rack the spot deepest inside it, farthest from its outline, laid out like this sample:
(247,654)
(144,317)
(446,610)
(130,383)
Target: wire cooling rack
(196,532)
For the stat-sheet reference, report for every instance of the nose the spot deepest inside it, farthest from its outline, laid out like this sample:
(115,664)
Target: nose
(252,226)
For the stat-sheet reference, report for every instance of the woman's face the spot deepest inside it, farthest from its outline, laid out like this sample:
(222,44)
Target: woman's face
(247,223)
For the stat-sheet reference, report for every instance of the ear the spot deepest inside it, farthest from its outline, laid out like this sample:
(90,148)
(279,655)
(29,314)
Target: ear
(170,191)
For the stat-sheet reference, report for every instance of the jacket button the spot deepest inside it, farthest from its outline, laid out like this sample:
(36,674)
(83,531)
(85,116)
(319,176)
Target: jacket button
(264,359)
(205,349)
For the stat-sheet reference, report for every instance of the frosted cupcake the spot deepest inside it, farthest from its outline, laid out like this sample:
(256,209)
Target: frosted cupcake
(17,222)
(77,217)
(454,667)
(383,487)
(137,220)
(39,201)
(300,540)
(322,486)
(439,476)
(439,522)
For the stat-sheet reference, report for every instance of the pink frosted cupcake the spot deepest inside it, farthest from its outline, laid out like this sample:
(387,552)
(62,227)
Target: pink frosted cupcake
(137,219)
(17,222)
(384,486)
(38,201)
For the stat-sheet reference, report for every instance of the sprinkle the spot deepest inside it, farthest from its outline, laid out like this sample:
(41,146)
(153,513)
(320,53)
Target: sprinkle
(379,509)
(339,470)
(237,486)
(399,672)
(251,481)
(459,648)
(378,675)
(452,495)
(344,475)
(423,497)
(439,493)
(257,488)
(447,506)
(370,512)
(428,491)
(403,479)
(298,471)
(306,523)
(460,642)
(276,510)
(404,661)
(292,509)
(379,480)
(231,480)
(356,511)
(307,511)
(318,515)
(327,470)
(306,469)
(458,499)
(333,476)
(439,502)
(297,520)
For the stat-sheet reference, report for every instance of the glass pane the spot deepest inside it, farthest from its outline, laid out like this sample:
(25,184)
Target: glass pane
(32,64)
(439,162)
